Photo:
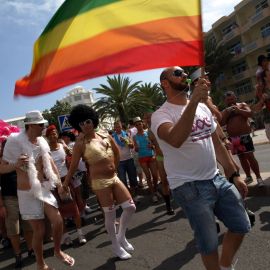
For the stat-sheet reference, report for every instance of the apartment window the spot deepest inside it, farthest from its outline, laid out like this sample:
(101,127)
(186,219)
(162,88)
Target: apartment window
(212,41)
(265,30)
(77,98)
(243,88)
(86,96)
(229,28)
(261,5)
(235,48)
(239,68)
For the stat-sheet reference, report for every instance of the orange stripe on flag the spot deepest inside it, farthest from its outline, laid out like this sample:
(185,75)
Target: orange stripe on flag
(145,57)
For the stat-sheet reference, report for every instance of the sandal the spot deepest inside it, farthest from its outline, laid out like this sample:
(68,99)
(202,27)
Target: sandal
(66,259)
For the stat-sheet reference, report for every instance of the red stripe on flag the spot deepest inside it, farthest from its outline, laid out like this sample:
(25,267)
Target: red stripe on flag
(136,59)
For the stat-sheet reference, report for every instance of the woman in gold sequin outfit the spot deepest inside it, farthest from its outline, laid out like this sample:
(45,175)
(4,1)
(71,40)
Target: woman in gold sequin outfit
(102,158)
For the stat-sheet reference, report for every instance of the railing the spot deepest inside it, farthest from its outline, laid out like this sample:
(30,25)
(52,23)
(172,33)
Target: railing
(233,33)
(243,75)
(251,46)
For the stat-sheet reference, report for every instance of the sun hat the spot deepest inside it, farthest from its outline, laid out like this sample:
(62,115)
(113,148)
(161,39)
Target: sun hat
(34,117)
(137,119)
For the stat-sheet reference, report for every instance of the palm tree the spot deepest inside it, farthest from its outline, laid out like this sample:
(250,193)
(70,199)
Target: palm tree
(119,100)
(151,96)
(217,59)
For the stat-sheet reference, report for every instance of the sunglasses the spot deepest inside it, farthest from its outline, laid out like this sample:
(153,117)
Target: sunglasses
(179,73)
(40,125)
(86,122)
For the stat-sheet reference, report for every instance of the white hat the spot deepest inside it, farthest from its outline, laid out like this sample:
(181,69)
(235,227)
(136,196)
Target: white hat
(34,117)
(137,119)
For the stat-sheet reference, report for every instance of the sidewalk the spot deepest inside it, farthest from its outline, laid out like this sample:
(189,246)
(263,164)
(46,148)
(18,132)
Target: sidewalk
(260,137)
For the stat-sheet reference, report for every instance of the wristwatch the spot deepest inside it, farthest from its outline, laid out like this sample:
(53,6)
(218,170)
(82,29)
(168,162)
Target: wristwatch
(231,178)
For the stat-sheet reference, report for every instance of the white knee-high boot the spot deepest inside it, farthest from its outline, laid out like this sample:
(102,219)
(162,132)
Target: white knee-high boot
(128,210)
(110,216)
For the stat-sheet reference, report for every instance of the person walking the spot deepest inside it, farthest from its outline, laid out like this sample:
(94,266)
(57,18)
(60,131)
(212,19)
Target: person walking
(35,179)
(186,133)
(102,157)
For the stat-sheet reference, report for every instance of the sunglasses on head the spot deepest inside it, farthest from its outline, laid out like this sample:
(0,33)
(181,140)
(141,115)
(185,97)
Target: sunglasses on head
(179,73)
(86,122)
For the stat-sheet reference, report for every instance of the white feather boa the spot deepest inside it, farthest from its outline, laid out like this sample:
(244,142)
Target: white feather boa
(52,178)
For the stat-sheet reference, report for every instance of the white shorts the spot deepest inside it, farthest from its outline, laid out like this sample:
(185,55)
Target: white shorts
(33,208)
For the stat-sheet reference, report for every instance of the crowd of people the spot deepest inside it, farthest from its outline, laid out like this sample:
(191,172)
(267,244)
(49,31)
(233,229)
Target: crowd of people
(51,175)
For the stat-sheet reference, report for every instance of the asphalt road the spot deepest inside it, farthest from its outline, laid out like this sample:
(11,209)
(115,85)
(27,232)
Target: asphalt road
(164,242)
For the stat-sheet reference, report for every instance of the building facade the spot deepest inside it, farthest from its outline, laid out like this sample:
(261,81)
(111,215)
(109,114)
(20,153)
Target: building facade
(79,95)
(245,33)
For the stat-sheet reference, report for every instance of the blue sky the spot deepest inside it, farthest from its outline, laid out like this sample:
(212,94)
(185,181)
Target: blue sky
(22,21)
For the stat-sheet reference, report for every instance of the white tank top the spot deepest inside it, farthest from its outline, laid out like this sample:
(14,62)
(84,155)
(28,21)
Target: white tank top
(59,158)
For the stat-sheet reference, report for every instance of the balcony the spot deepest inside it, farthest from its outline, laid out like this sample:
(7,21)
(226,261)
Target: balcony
(241,76)
(233,33)
(251,47)
(265,13)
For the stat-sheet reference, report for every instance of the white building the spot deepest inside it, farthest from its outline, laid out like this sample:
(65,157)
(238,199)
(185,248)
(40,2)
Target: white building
(79,95)
(17,121)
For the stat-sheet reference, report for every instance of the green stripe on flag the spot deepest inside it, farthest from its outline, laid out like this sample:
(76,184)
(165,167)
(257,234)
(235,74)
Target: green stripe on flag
(72,8)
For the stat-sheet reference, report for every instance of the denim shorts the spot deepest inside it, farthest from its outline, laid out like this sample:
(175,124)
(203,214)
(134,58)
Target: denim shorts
(203,200)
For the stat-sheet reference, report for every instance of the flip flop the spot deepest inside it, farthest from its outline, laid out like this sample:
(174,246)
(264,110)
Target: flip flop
(67,260)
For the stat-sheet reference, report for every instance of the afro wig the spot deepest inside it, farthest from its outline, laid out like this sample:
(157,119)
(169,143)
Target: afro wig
(81,113)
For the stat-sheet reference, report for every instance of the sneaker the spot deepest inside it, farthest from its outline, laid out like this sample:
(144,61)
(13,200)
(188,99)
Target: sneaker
(18,261)
(260,182)
(82,239)
(154,198)
(249,180)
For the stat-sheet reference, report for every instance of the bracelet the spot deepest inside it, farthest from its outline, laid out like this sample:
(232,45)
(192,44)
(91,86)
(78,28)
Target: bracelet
(231,178)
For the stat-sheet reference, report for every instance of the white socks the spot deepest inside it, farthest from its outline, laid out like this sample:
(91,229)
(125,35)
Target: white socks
(110,216)
(128,210)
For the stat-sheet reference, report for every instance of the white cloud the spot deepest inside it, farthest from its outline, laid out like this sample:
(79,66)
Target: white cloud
(213,10)
(38,12)
(27,12)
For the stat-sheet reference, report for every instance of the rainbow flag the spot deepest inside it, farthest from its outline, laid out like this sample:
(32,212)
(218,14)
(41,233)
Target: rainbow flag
(90,38)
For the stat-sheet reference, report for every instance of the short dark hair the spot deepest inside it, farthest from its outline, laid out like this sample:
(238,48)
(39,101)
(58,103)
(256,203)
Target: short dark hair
(81,113)
(260,59)
(68,134)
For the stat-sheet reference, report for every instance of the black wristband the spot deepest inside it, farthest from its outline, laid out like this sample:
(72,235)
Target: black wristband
(235,174)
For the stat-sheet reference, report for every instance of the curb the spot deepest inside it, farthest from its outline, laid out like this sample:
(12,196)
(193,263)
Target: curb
(261,143)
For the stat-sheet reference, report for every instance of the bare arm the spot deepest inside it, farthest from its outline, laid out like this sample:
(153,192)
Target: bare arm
(76,156)
(6,167)
(226,162)
(243,109)
(116,152)
(136,148)
(214,109)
